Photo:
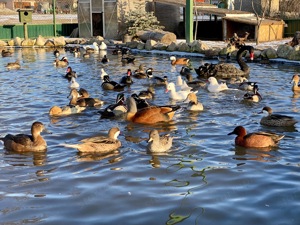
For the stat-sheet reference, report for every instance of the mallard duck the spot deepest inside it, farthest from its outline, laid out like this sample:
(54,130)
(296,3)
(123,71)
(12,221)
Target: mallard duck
(276,120)
(158,143)
(26,143)
(99,144)
(256,139)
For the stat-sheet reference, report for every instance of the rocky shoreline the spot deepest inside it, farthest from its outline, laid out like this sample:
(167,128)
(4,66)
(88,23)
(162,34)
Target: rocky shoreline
(277,51)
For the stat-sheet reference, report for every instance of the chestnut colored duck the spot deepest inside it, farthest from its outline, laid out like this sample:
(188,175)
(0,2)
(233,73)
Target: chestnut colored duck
(179,61)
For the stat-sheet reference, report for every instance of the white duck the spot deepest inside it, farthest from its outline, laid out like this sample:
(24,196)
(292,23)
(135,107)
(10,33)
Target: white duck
(73,83)
(182,85)
(102,73)
(102,46)
(176,95)
(214,86)
(94,47)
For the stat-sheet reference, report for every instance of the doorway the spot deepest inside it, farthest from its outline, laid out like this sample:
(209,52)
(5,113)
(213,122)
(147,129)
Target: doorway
(97,19)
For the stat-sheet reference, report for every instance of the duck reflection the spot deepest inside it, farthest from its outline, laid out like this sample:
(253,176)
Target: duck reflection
(90,157)
(25,158)
(261,155)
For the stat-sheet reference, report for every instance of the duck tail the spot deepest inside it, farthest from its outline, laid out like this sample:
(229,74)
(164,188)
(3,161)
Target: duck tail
(69,145)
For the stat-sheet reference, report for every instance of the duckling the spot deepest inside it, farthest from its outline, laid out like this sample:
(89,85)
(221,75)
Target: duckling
(193,104)
(99,144)
(104,59)
(6,53)
(149,115)
(254,97)
(157,144)
(295,82)
(13,65)
(149,94)
(70,73)
(256,139)
(276,120)
(56,53)
(26,143)
(65,110)
(180,61)
(115,110)
(111,85)
(61,62)
(83,102)
(127,79)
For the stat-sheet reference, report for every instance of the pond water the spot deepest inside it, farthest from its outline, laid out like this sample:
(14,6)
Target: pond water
(204,179)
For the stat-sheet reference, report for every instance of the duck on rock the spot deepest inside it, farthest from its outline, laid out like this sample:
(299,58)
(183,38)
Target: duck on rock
(227,70)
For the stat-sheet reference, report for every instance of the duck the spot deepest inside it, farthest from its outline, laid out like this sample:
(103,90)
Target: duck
(276,120)
(61,62)
(185,71)
(91,48)
(247,85)
(160,80)
(295,82)
(193,103)
(256,139)
(107,84)
(76,52)
(70,73)
(139,74)
(127,79)
(157,143)
(102,46)
(56,53)
(149,115)
(99,144)
(104,59)
(86,55)
(6,53)
(83,93)
(115,110)
(140,103)
(65,110)
(148,94)
(214,86)
(83,102)
(182,85)
(176,95)
(102,73)
(26,143)
(74,83)
(13,65)
(194,83)
(254,97)
(127,59)
(227,70)
(179,61)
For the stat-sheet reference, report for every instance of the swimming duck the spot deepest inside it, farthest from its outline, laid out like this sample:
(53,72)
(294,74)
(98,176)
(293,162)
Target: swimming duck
(115,110)
(158,143)
(70,73)
(73,83)
(140,103)
(86,55)
(26,143)
(276,120)
(104,59)
(13,65)
(149,94)
(102,46)
(76,52)
(61,62)
(185,71)
(180,61)
(194,83)
(176,95)
(160,80)
(295,82)
(256,139)
(214,86)
(83,102)
(99,144)
(6,53)
(149,115)
(254,97)
(56,53)
(247,85)
(193,104)
(65,110)
(111,85)
(127,59)
(127,79)
(140,74)
(91,48)
(227,70)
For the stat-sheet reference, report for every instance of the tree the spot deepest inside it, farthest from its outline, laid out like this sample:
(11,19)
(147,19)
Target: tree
(259,19)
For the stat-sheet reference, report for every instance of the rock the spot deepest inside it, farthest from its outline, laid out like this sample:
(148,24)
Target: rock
(150,44)
(132,44)
(49,43)
(164,37)
(212,53)
(28,42)
(141,46)
(295,53)
(3,43)
(199,46)
(161,46)
(269,53)
(59,41)
(283,51)
(228,49)
(11,42)
(40,41)
(172,47)
(184,47)
(17,41)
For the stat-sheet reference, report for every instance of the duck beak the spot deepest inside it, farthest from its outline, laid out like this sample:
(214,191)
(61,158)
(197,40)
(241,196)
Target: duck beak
(167,90)
(251,56)
(150,139)
(230,133)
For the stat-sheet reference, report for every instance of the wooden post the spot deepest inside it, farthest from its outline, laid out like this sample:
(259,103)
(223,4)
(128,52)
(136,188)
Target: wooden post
(189,21)
(25,31)
(54,17)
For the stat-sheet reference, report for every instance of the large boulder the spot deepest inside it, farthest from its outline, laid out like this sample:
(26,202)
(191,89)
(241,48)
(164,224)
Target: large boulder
(40,41)
(269,53)
(150,44)
(28,42)
(198,46)
(183,47)
(295,53)
(283,51)
(3,43)
(172,47)
(59,41)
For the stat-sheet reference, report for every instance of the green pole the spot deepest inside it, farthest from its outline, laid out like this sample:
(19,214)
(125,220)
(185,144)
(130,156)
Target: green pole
(54,17)
(189,21)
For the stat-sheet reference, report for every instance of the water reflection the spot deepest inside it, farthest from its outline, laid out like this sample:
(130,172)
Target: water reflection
(25,159)
(261,155)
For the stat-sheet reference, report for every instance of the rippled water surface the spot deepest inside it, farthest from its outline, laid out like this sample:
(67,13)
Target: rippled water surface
(204,180)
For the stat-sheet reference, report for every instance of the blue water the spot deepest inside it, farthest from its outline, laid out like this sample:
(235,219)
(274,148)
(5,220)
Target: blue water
(204,179)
